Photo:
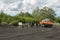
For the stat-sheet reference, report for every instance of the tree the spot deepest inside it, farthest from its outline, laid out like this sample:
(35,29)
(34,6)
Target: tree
(25,17)
(48,13)
(43,13)
(36,12)
(58,19)
(27,14)
(2,16)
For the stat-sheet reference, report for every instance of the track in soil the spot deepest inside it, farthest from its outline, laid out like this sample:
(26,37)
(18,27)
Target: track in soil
(30,33)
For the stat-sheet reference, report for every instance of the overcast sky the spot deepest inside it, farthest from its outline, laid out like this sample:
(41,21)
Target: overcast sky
(12,7)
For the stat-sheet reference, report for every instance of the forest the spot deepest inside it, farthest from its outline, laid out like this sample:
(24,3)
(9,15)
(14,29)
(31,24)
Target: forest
(35,16)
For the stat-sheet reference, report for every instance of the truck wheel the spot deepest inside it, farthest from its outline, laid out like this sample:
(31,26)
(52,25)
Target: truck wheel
(50,25)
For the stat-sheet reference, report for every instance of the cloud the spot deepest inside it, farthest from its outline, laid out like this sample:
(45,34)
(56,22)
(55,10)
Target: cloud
(1,5)
(14,6)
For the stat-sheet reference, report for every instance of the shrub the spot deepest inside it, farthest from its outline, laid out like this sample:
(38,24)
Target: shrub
(15,23)
(4,23)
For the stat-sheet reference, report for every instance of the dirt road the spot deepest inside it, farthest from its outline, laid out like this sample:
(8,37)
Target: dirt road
(34,33)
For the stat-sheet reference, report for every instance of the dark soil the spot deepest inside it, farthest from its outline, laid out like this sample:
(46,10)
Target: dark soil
(30,33)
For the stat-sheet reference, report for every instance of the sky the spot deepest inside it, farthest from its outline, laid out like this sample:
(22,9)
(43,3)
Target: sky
(12,7)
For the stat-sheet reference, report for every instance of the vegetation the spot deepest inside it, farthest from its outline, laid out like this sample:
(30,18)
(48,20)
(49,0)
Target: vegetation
(44,13)
(57,19)
(36,16)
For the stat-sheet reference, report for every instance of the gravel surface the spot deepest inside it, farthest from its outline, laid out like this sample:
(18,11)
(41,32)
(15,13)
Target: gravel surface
(35,33)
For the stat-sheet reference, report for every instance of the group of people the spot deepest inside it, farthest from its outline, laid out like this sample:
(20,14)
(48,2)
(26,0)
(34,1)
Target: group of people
(29,24)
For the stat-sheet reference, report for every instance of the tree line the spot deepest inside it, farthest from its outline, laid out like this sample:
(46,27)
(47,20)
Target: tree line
(24,17)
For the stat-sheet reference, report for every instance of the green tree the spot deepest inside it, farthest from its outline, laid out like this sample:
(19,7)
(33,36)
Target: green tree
(36,13)
(58,19)
(43,13)
(48,13)
(25,17)
(4,18)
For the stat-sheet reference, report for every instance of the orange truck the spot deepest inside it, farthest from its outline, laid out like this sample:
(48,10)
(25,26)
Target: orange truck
(46,23)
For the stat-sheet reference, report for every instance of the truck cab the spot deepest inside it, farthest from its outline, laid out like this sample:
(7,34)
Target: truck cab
(46,23)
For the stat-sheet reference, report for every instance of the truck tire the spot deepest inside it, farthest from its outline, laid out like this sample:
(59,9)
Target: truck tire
(50,25)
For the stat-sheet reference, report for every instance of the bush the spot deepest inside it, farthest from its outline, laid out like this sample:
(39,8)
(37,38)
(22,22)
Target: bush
(4,23)
(30,19)
(15,23)
(57,24)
